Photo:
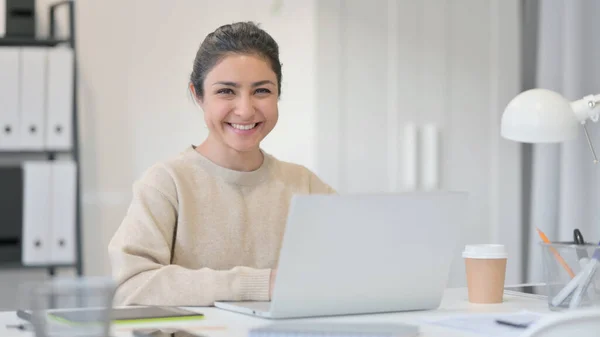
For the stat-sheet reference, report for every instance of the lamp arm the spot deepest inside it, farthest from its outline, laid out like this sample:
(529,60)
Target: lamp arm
(586,108)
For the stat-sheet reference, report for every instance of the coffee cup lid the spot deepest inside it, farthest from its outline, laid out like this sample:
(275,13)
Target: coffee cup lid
(485,251)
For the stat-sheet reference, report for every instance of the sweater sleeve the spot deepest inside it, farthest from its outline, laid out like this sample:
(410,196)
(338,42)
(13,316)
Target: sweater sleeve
(318,186)
(140,253)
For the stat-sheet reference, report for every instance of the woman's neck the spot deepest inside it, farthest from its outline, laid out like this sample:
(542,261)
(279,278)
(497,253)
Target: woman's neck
(229,158)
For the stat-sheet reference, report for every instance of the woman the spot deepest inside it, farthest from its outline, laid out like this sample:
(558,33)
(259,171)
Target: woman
(207,224)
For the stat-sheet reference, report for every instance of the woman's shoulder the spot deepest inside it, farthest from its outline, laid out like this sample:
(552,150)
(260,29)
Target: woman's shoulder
(298,173)
(287,166)
(165,168)
(167,173)
(288,169)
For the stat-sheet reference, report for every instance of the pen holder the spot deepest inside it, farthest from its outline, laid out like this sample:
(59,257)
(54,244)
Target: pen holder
(571,274)
(50,303)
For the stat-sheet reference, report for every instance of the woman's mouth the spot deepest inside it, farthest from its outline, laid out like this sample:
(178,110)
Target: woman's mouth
(244,129)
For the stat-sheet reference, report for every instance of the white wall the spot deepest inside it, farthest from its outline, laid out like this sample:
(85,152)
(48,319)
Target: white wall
(452,64)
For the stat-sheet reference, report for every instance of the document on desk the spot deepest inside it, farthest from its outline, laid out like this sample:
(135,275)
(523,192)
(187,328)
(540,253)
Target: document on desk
(490,325)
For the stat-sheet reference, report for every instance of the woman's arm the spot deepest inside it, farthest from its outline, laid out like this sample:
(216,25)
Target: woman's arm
(140,253)
(318,186)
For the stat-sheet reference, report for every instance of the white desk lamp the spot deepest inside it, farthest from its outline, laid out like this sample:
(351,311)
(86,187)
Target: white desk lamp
(544,116)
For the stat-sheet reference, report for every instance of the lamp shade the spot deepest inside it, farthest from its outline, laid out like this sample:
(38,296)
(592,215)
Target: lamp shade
(539,116)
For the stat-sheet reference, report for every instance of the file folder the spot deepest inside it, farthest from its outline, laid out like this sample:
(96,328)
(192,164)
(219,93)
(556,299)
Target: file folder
(9,99)
(11,208)
(2,18)
(32,97)
(59,86)
(63,202)
(36,212)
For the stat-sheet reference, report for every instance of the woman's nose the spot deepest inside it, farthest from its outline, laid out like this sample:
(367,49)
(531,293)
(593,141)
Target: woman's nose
(245,107)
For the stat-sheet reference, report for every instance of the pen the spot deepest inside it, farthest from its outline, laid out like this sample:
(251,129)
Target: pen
(17,326)
(578,284)
(567,290)
(556,254)
(514,325)
(588,274)
(578,239)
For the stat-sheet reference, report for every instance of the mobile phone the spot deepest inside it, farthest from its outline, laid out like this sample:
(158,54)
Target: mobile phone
(164,333)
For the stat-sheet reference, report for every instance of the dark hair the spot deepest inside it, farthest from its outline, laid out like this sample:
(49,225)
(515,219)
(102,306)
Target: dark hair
(236,38)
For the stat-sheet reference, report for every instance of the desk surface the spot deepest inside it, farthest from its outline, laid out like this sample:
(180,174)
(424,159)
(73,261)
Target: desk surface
(223,323)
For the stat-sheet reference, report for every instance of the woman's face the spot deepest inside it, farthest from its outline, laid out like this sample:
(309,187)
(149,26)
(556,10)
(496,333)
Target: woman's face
(240,101)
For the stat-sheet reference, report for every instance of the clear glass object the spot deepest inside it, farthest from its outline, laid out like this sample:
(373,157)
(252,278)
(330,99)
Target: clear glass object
(70,307)
(571,274)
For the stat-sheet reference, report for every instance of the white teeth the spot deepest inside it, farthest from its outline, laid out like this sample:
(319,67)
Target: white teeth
(243,127)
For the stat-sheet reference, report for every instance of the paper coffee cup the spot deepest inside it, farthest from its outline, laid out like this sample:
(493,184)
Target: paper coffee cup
(486,271)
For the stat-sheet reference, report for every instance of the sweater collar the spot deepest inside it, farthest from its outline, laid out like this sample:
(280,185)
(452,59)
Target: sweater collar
(245,178)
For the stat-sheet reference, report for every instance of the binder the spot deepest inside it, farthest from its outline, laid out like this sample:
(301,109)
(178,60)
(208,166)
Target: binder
(2,18)
(63,201)
(36,212)
(11,208)
(9,99)
(20,18)
(59,102)
(32,97)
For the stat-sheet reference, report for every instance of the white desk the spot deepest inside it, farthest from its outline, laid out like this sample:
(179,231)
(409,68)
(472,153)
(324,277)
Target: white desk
(222,323)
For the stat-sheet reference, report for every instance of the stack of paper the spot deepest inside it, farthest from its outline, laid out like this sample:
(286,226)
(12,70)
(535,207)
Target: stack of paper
(492,325)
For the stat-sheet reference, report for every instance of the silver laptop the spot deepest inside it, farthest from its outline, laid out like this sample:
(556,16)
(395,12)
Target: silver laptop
(360,254)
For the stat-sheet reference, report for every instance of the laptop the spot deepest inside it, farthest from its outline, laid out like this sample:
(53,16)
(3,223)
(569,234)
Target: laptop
(362,254)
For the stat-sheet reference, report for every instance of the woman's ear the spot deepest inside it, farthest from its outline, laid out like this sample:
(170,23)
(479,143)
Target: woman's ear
(195,97)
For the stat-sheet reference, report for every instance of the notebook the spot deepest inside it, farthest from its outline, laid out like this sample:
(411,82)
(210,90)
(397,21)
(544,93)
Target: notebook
(335,330)
(127,315)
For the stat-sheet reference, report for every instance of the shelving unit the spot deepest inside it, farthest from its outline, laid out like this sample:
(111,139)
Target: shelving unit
(12,41)
(51,155)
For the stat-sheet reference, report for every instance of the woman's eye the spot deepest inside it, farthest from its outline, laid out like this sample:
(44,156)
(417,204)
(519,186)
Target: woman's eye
(263,91)
(225,91)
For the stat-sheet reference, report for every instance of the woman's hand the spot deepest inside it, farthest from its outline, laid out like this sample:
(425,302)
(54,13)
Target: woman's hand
(272,282)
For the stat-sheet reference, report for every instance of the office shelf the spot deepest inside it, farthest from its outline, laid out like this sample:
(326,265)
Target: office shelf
(53,41)
(41,152)
(19,42)
(16,265)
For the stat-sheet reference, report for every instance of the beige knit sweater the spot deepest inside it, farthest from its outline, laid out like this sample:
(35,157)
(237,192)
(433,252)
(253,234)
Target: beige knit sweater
(229,227)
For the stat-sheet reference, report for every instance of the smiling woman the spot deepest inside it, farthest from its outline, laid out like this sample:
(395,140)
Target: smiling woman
(240,109)
(207,224)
